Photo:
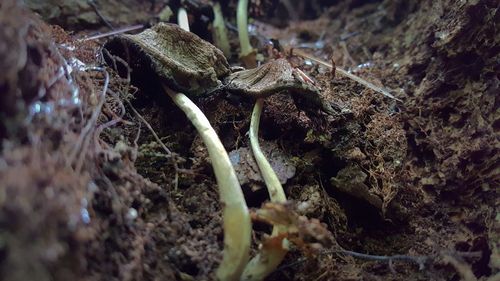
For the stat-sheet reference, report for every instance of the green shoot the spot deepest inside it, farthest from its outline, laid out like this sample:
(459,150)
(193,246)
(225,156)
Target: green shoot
(220,34)
(246,53)
(237,224)
(268,259)
(236,218)
(182,19)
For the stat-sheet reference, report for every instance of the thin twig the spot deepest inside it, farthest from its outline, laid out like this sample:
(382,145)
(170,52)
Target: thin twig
(448,257)
(112,32)
(162,144)
(351,76)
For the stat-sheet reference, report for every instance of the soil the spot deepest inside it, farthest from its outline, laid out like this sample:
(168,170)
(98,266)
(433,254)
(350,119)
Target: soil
(102,177)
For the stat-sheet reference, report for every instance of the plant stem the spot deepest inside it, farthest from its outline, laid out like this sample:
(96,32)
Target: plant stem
(182,19)
(242,22)
(236,218)
(273,184)
(268,259)
(220,34)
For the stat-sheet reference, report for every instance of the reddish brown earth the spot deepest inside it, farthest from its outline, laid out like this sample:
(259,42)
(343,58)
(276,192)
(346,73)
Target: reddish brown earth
(87,192)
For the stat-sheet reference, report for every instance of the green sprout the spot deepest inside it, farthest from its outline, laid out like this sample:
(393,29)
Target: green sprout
(182,19)
(246,53)
(220,34)
(236,218)
(237,224)
(268,259)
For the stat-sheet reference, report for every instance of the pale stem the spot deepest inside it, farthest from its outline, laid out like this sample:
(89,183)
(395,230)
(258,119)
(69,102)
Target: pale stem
(242,22)
(236,218)
(268,258)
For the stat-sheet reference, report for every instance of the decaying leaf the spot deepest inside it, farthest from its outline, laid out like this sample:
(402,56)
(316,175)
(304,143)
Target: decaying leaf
(309,235)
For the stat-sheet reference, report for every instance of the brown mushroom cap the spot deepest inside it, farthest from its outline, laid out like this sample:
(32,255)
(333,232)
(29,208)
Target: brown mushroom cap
(184,61)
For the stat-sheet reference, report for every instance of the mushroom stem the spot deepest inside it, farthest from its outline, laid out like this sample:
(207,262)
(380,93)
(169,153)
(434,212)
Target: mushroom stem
(268,259)
(236,218)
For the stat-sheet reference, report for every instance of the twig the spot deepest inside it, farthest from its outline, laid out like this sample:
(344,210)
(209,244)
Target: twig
(163,146)
(157,138)
(96,10)
(419,260)
(136,145)
(112,32)
(351,76)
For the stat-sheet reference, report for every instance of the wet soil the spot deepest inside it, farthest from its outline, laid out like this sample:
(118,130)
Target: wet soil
(103,178)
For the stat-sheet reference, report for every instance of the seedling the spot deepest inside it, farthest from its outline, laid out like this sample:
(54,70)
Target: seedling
(237,227)
(220,34)
(268,258)
(236,231)
(191,67)
(186,63)
(247,53)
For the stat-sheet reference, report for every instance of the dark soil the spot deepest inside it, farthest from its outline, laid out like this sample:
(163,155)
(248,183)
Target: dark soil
(88,191)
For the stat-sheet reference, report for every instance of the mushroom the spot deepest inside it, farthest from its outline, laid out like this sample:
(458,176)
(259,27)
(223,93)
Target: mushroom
(272,77)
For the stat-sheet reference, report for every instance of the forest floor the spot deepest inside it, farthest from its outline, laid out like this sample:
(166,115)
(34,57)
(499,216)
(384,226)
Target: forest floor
(102,177)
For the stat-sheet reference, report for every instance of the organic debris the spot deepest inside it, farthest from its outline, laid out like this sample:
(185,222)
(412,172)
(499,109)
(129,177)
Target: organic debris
(308,235)
(102,177)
